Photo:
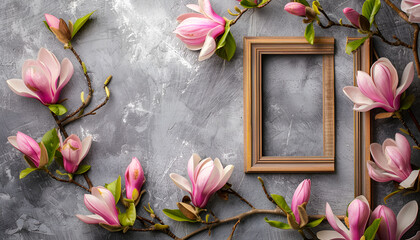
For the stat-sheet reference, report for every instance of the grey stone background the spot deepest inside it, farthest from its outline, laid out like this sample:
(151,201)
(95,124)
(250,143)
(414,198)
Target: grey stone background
(165,106)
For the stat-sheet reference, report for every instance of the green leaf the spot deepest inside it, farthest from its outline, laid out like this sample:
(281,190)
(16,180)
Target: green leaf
(370,9)
(64,174)
(59,158)
(248,4)
(304,2)
(310,33)
(228,50)
(315,223)
(222,40)
(129,217)
(282,203)
(354,45)
(176,214)
(262,3)
(51,143)
(115,188)
(46,24)
(82,169)
(25,172)
(370,232)
(277,224)
(58,109)
(407,101)
(79,23)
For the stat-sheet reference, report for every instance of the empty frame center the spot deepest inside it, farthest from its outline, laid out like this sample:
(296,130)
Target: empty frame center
(291,87)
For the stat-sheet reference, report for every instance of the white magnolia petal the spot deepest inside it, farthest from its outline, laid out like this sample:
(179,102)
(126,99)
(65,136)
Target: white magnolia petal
(181,182)
(13,140)
(86,143)
(406,218)
(410,180)
(329,235)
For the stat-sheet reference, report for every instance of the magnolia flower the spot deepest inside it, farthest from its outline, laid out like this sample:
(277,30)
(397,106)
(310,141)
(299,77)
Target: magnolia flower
(379,89)
(296,8)
(358,216)
(352,16)
(392,162)
(200,30)
(34,152)
(134,179)
(74,151)
(391,227)
(301,195)
(102,203)
(206,177)
(40,78)
(412,8)
(59,28)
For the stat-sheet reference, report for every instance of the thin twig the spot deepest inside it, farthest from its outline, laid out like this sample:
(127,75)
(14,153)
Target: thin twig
(65,180)
(244,11)
(231,191)
(314,237)
(266,192)
(93,112)
(233,229)
(145,220)
(60,126)
(407,129)
(414,119)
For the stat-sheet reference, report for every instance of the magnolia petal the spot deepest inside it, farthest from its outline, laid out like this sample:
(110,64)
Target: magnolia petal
(392,71)
(406,218)
(365,108)
(181,182)
(406,80)
(86,143)
(12,140)
(51,62)
(336,223)
(184,16)
(415,237)
(410,180)
(329,235)
(192,44)
(105,195)
(193,7)
(377,152)
(99,206)
(52,21)
(404,147)
(207,10)
(397,162)
(198,168)
(363,199)
(67,71)
(368,88)
(194,47)
(192,164)
(378,174)
(19,87)
(227,172)
(356,96)
(413,11)
(91,219)
(209,46)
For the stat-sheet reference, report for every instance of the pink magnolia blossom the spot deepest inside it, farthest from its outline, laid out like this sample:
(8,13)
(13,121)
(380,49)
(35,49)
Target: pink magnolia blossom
(381,88)
(32,150)
(206,176)
(301,195)
(412,8)
(102,204)
(74,151)
(358,216)
(52,21)
(391,227)
(200,30)
(296,8)
(352,16)
(40,78)
(134,179)
(392,162)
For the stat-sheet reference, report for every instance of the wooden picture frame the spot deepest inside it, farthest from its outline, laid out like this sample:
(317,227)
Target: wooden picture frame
(362,60)
(254,48)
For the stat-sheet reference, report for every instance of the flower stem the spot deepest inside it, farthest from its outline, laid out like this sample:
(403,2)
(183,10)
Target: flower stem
(65,180)
(231,191)
(413,117)
(233,229)
(244,11)
(266,192)
(398,115)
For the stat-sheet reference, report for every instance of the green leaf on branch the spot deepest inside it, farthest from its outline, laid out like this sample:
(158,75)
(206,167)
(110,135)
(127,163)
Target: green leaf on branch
(79,23)
(262,3)
(46,24)
(115,188)
(278,224)
(370,232)
(354,45)
(58,109)
(282,204)
(314,223)
(82,169)
(310,33)
(304,2)
(222,40)
(59,158)
(370,9)
(407,101)
(51,143)
(129,217)
(228,49)
(248,3)
(25,172)
(176,214)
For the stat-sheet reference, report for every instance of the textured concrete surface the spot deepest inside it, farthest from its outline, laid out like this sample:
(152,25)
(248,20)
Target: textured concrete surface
(165,105)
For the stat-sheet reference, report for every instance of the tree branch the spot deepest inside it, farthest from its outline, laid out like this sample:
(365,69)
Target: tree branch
(65,180)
